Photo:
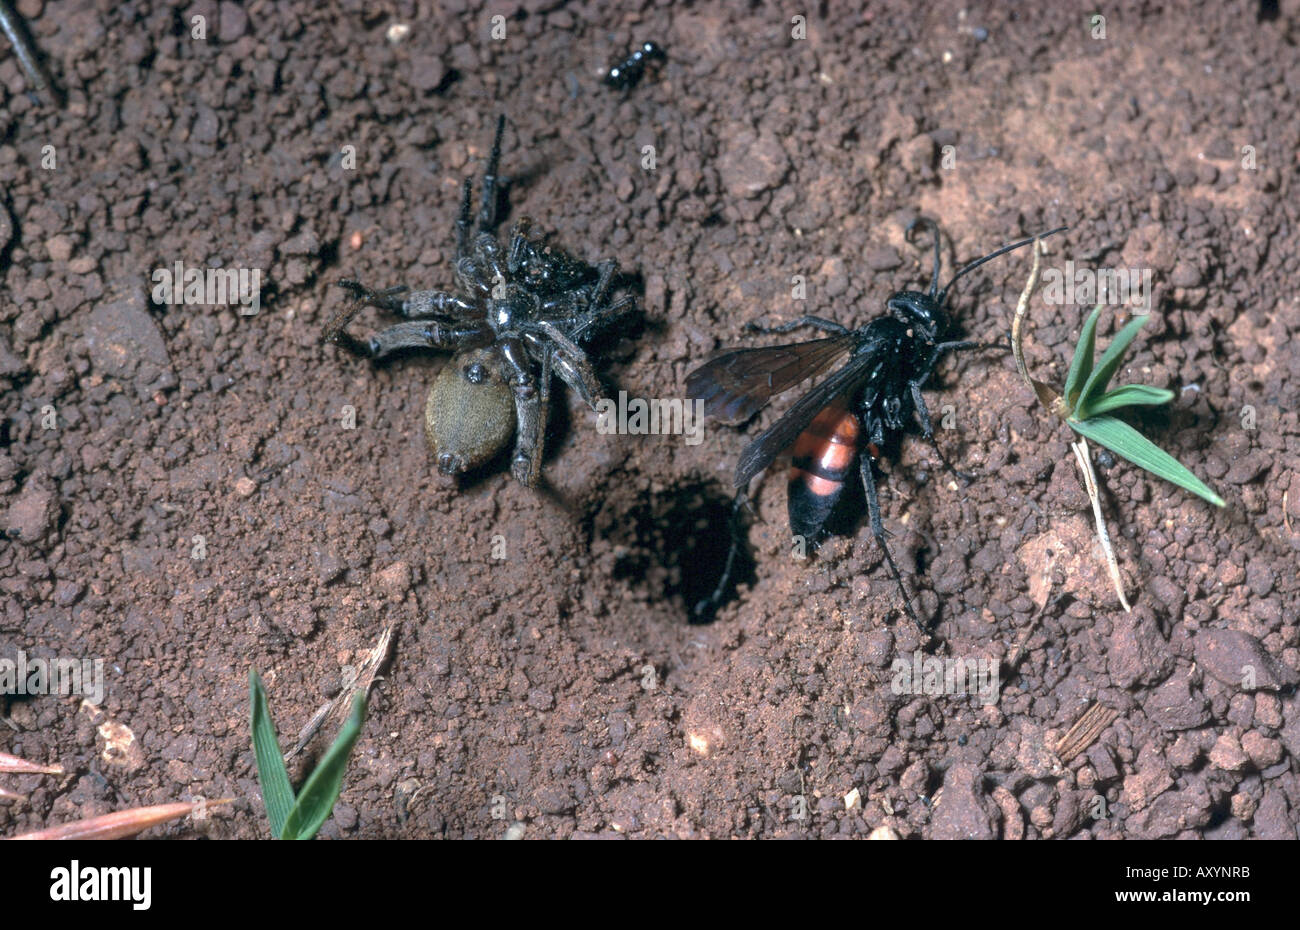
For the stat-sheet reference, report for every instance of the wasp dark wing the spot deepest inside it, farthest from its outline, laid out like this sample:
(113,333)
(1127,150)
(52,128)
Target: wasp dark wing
(736,385)
(780,435)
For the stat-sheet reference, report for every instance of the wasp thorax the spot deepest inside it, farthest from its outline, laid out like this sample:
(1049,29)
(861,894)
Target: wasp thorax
(470,414)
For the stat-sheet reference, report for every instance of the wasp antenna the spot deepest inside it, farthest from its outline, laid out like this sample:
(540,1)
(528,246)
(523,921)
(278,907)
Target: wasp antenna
(934,228)
(943,294)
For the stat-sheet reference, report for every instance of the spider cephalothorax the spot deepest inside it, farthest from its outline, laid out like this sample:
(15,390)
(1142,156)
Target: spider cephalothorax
(518,316)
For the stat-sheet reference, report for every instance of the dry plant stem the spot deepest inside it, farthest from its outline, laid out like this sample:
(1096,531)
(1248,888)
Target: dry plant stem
(1022,306)
(361,681)
(1090,483)
(14,765)
(1049,399)
(1018,649)
(1085,731)
(121,824)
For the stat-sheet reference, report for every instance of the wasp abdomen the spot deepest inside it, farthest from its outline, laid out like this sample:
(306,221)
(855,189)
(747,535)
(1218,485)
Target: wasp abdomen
(823,455)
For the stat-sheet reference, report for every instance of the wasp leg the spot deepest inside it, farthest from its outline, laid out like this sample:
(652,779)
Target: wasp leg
(38,79)
(927,433)
(878,530)
(706,607)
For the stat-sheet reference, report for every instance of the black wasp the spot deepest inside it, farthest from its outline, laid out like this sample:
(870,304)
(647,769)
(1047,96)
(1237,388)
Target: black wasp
(627,73)
(868,401)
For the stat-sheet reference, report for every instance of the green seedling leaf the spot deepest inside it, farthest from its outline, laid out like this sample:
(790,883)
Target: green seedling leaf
(1081,364)
(277,793)
(1110,360)
(1130,395)
(316,800)
(1124,440)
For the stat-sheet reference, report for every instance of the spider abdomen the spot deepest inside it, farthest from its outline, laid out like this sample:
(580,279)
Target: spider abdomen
(470,413)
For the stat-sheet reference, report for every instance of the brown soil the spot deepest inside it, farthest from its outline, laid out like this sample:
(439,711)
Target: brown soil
(525,679)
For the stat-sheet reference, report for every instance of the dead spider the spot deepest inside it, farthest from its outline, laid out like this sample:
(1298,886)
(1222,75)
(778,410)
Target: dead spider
(517,318)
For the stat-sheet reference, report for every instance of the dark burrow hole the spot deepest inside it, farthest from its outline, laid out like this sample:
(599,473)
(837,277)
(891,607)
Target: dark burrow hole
(679,541)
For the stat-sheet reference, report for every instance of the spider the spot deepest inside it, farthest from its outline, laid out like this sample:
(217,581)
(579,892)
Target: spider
(517,318)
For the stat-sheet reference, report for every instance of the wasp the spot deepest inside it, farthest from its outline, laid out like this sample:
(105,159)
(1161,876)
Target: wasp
(867,402)
(627,73)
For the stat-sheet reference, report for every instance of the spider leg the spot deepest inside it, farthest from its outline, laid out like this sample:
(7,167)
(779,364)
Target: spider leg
(518,243)
(577,372)
(878,531)
(420,305)
(361,297)
(570,362)
(492,261)
(487,211)
(603,315)
(470,278)
(424,334)
(606,271)
(463,220)
(532,410)
(416,305)
(829,326)
(364,296)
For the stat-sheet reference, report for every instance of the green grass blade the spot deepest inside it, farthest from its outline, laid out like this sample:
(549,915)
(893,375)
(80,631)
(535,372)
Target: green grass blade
(277,793)
(317,797)
(1111,359)
(1081,364)
(1130,395)
(1122,439)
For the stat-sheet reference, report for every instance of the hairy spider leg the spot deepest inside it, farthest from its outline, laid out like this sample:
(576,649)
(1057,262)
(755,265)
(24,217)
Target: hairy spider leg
(424,334)
(570,362)
(532,410)
(438,334)
(487,211)
(605,277)
(596,316)
(464,220)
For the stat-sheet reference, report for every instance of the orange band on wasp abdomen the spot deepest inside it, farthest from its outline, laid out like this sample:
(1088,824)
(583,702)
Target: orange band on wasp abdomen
(824,451)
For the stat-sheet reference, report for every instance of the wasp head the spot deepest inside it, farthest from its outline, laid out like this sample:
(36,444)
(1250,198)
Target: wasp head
(919,311)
